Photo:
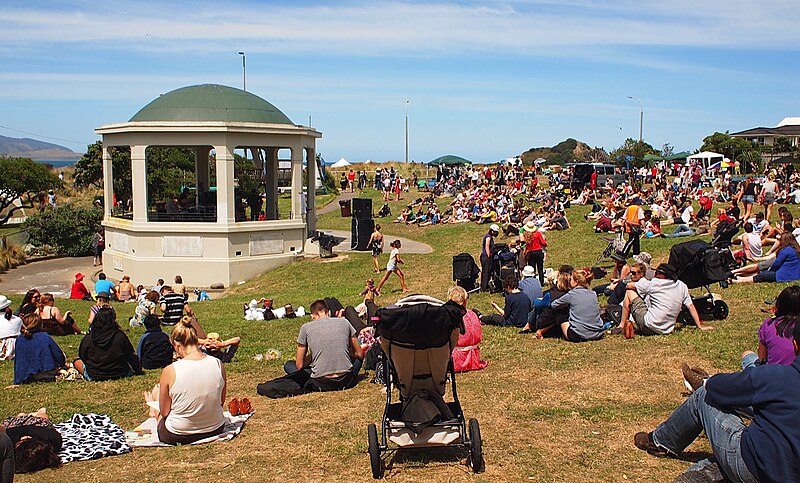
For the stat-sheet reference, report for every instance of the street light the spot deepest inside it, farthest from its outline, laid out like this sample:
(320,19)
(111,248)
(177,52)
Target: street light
(244,72)
(407,101)
(641,115)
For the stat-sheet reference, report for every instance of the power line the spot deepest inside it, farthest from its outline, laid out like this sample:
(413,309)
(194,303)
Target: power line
(43,136)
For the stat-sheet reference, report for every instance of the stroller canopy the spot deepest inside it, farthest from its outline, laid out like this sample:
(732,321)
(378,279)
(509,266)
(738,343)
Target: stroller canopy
(697,263)
(421,325)
(464,267)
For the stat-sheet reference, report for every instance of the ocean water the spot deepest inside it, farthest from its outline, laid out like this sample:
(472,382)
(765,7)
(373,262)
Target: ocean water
(58,163)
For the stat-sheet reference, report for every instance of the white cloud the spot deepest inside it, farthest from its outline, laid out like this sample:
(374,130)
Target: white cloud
(407,28)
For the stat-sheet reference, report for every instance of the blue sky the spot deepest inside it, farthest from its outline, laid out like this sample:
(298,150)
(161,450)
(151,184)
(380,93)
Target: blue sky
(485,80)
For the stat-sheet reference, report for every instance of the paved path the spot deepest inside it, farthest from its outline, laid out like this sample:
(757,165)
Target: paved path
(54,276)
(343,237)
(334,205)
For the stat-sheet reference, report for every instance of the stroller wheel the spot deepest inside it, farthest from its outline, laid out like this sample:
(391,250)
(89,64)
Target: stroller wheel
(721,310)
(374,452)
(476,446)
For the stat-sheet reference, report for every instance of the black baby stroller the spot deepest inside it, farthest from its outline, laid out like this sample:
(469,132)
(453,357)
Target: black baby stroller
(699,264)
(465,272)
(417,337)
(504,263)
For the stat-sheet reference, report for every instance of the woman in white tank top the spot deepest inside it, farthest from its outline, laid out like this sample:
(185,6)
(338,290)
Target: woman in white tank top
(191,391)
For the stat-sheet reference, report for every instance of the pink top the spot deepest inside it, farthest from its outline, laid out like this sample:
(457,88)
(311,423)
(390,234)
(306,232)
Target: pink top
(467,354)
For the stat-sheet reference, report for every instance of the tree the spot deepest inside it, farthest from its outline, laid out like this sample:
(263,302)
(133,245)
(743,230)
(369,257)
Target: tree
(22,184)
(734,148)
(68,229)
(632,152)
(89,169)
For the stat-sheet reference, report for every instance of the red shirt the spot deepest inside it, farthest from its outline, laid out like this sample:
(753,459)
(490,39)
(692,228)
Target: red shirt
(534,241)
(79,291)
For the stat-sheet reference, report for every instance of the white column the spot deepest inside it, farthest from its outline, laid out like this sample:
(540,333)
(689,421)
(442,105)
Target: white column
(272,183)
(108,182)
(297,181)
(139,183)
(311,212)
(225,203)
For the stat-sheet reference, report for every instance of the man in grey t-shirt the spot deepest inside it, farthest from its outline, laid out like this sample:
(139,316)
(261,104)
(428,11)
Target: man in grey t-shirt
(327,350)
(654,305)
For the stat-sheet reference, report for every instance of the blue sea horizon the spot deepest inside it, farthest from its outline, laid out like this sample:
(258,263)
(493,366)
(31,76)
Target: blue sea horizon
(58,163)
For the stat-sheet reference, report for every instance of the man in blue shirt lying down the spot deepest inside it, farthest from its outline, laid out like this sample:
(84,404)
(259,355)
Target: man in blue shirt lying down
(767,450)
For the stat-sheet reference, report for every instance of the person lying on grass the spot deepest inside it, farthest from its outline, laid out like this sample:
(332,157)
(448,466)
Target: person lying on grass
(190,393)
(28,443)
(764,450)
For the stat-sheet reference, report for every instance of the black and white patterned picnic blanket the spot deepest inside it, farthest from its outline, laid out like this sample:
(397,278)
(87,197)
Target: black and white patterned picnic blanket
(91,436)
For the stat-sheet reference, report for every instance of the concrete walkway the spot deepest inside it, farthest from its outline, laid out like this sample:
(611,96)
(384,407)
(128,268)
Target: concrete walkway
(343,237)
(54,276)
(334,205)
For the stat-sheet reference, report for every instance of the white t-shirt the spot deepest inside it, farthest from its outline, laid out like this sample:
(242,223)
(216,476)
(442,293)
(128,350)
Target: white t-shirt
(664,299)
(753,241)
(9,328)
(758,225)
(796,195)
(686,215)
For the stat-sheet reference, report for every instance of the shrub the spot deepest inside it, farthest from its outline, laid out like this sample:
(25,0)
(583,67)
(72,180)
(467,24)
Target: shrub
(67,228)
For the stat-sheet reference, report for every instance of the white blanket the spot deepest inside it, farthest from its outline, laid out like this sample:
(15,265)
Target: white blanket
(146,434)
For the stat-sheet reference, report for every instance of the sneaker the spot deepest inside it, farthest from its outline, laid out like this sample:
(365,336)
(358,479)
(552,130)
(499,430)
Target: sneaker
(693,377)
(644,441)
(707,474)
(233,407)
(245,407)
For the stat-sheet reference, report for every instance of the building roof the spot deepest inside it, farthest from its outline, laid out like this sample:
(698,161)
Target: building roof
(211,102)
(787,130)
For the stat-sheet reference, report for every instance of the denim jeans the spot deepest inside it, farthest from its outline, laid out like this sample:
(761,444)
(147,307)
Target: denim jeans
(723,429)
(681,230)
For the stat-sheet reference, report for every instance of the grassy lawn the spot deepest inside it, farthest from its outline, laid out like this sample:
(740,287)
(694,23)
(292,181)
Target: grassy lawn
(549,410)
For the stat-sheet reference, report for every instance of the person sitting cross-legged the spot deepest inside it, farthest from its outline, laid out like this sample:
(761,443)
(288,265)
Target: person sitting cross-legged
(655,304)
(764,450)
(516,309)
(328,358)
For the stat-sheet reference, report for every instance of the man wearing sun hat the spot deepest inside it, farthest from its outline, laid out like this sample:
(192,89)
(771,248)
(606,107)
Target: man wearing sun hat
(529,285)
(79,290)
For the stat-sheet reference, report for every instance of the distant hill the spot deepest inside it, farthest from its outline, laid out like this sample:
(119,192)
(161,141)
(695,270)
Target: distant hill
(564,152)
(36,150)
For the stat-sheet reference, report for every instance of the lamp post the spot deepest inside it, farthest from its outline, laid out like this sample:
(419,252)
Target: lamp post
(407,101)
(244,72)
(641,115)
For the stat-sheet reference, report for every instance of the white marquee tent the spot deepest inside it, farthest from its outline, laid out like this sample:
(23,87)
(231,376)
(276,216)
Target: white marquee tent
(341,163)
(705,158)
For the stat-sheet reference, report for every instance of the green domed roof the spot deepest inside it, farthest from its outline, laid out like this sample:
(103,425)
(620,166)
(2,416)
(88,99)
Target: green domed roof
(211,102)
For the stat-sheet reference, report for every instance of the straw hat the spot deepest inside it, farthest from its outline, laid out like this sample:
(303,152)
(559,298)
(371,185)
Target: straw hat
(530,226)
(528,271)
